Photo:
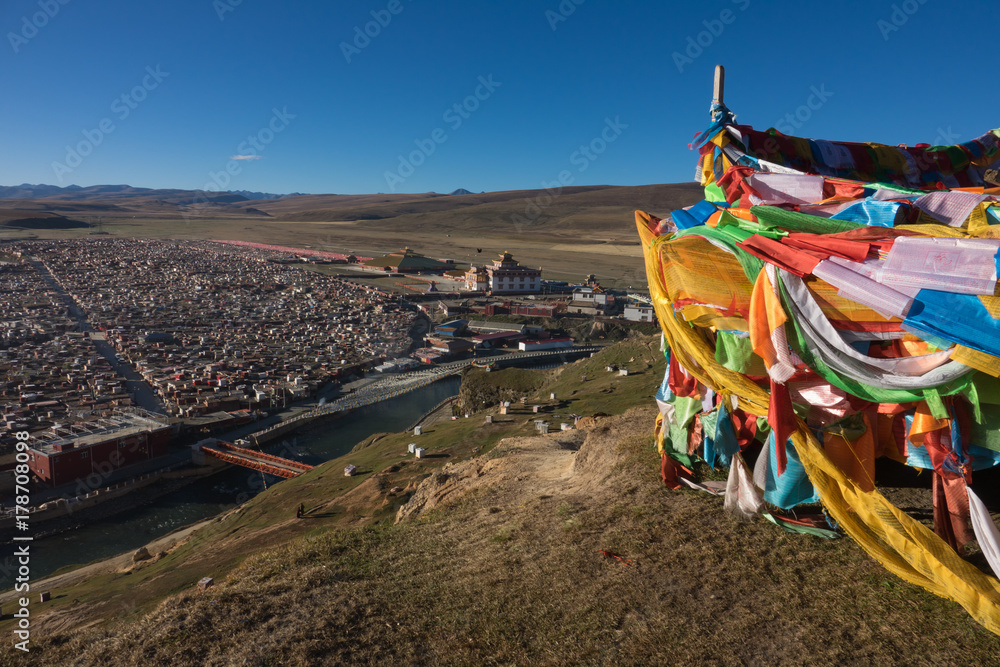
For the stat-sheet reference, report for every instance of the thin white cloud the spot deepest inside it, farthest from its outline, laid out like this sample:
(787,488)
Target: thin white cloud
(245,157)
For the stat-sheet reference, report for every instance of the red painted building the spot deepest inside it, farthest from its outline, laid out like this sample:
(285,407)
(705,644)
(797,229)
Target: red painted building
(118,442)
(530,309)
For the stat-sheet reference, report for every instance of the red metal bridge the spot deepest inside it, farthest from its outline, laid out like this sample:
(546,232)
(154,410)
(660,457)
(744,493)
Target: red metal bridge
(249,458)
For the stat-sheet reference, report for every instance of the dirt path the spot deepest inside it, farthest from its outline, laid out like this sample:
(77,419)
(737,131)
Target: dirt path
(561,464)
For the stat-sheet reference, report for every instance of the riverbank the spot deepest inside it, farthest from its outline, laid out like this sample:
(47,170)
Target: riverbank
(76,515)
(157,549)
(64,509)
(439,413)
(124,525)
(390,386)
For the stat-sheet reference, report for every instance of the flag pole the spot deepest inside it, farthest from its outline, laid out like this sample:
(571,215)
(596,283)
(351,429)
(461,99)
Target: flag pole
(720,84)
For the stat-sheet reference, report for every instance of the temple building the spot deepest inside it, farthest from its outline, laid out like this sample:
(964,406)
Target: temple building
(477,279)
(504,276)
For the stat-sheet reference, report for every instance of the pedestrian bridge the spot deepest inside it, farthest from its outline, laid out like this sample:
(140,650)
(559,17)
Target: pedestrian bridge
(249,458)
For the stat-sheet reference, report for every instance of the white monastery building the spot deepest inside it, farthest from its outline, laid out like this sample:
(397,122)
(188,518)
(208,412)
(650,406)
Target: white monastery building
(505,276)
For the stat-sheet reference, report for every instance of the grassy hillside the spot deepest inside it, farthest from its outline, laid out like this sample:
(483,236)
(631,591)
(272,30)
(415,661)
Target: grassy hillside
(513,548)
(333,501)
(575,209)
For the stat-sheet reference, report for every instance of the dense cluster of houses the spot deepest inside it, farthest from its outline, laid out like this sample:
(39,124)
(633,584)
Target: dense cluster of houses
(211,328)
(50,372)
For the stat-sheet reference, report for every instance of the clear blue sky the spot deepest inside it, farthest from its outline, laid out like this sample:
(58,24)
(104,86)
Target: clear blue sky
(889,71)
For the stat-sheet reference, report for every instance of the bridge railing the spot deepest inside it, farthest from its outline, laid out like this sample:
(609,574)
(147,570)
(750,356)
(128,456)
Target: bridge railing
(251,463)
(253,453)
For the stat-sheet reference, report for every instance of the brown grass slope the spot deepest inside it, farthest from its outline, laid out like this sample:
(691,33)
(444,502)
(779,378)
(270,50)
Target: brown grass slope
(489,211)
(498,560)
(140,208)
(29,219)
(405,210)
(311,208)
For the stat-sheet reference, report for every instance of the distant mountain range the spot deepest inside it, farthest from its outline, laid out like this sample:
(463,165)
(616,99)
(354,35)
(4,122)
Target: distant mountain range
(78,193)
(263,195)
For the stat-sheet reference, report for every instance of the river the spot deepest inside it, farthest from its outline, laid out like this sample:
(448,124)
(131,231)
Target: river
(205,498)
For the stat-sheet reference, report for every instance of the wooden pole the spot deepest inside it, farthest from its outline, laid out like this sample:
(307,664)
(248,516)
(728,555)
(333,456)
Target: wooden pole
(720,84)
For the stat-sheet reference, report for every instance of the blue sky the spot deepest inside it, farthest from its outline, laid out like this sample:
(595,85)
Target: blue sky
(160,94)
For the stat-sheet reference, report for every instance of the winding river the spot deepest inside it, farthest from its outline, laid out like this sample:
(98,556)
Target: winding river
(205,498)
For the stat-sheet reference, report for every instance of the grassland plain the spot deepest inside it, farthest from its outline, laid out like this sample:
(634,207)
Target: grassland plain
(570,233)
(499,557)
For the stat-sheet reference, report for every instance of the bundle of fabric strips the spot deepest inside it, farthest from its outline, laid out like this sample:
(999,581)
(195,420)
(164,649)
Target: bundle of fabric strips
(828,304)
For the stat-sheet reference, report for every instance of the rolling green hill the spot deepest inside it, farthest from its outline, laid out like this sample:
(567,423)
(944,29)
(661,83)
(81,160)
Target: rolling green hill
(505,547)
